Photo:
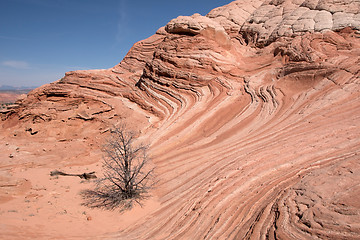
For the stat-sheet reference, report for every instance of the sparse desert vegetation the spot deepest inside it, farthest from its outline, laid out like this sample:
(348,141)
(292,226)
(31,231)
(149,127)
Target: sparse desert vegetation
(5,105)
(8,97)
(127,176)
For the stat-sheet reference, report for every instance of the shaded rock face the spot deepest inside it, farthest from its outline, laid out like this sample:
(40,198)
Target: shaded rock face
(252,113)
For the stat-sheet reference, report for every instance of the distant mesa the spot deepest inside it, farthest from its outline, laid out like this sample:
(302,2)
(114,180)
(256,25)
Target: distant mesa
(10,94)
(12,88)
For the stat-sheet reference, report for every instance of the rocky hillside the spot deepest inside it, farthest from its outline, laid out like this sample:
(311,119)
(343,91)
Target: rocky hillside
(252,114)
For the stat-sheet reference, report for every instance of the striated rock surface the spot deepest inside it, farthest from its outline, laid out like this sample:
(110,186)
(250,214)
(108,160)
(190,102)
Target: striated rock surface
(252,116)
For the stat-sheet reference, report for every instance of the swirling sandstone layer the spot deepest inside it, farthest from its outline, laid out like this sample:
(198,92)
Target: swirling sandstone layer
(252,113)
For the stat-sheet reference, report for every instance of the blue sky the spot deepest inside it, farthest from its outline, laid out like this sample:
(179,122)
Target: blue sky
(40,40)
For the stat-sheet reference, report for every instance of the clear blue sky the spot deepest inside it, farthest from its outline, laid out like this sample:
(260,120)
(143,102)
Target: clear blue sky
(40,40)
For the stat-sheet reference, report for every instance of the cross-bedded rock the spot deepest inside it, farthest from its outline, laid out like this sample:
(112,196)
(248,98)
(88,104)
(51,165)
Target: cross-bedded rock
(252,114)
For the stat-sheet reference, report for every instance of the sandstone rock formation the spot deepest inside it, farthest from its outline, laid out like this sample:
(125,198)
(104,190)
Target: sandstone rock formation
(252,113)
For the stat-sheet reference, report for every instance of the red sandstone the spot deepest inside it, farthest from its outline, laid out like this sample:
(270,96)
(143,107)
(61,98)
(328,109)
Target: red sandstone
(252,116)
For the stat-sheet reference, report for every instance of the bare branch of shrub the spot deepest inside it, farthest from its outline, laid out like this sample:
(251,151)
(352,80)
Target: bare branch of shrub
(127,178)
